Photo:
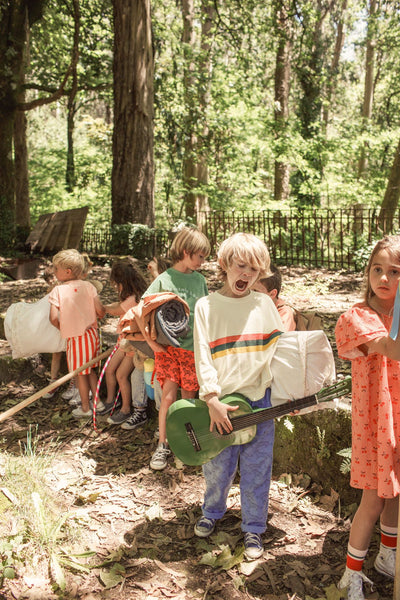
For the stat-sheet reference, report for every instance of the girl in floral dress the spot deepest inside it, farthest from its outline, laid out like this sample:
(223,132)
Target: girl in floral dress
(362,336)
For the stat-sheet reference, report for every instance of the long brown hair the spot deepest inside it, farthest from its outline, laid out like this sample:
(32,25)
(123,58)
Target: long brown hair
(391,243)
(130,279)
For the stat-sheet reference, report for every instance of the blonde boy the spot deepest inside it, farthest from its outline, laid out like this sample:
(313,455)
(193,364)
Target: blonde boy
(235,330)
(74,309)
(175,366)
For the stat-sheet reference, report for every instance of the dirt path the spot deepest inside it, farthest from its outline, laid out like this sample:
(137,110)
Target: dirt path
(139,523)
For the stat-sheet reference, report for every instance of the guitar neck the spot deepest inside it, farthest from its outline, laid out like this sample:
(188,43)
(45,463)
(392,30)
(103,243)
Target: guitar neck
(265,414)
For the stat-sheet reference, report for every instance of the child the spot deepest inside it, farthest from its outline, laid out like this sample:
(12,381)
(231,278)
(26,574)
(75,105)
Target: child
(51,281)
(130,285)
(362,337)
(72,392)
(139,395)
(74,308)
(158,265)
(235,330)
(272,286)
(175,366)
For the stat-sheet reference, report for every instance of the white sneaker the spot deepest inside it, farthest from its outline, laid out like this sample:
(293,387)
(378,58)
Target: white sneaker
(81,414)
(385,562)
(70,391)
(159,460)
(353,581)
(75,399)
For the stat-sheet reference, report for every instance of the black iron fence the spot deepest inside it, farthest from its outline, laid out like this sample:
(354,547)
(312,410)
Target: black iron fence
(332,238)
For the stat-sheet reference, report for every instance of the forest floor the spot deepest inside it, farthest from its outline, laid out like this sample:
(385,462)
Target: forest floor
(139,523)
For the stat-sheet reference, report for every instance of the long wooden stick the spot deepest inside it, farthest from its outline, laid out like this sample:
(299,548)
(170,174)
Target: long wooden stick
(52,386)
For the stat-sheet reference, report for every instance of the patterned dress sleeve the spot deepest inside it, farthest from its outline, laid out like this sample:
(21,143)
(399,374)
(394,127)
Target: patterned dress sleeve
(357,326)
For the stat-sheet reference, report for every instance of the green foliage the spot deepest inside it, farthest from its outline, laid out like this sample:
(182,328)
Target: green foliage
(134,239)
(346,463)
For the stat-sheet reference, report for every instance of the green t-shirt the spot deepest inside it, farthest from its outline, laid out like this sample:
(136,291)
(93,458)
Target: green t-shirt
(188,286)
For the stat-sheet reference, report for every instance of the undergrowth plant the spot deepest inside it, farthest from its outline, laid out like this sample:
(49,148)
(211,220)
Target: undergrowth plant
(38,528)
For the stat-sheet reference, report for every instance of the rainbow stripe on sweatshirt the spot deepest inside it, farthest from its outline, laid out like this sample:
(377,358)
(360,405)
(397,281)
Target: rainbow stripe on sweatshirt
(244,342)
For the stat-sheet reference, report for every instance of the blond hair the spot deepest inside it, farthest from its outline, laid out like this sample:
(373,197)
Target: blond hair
(70,259)
(192,241)
(390,243)
(246,248)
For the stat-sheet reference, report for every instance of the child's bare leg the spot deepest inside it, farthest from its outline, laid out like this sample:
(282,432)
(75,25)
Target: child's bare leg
(93,379)
(123,377)
(111,377)
(169,394)
(55,365)
(84,388)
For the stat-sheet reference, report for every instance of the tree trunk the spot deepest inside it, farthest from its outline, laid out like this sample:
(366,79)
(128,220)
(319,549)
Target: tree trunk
(71,107)
(331,83)
(197,90)
(22,212)
(282,87)
(368,84)
(15,18)
(133,162)
(391,199)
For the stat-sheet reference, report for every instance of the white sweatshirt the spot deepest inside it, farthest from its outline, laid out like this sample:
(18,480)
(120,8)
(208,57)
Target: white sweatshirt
(234,342)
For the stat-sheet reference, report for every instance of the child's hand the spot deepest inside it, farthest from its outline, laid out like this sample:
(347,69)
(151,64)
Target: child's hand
(155,346)
(219,414)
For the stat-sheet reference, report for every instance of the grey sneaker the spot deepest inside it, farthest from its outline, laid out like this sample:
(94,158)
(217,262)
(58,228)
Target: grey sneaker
(118,417)
(137,418)
(204,527)
(253,546)
(353,581)
(385,562)
(109,406)
(159,460)
(70,391)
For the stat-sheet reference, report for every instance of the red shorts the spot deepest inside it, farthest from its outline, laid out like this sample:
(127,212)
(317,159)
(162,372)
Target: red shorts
(83,348)
(177,365)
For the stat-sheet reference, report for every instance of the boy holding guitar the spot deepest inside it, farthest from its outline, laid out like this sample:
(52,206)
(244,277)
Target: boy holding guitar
(235,331)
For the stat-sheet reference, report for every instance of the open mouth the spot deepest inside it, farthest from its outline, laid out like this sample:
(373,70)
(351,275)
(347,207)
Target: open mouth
(241,285)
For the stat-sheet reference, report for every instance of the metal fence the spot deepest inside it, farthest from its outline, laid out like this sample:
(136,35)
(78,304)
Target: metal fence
(331,238)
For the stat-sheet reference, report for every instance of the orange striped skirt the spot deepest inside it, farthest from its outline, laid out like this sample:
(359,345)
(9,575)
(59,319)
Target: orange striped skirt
(83,348)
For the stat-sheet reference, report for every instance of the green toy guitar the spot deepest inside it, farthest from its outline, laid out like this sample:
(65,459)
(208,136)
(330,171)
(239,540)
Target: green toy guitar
(188,422)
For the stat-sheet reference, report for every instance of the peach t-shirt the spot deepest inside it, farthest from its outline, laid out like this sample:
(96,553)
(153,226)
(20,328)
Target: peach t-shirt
(375,459)
(126,304)
(75,302)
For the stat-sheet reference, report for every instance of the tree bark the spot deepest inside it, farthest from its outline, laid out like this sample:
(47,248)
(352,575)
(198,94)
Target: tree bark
(330,86)
(392,195)
(13,19)
(133,162)
(368,84)
(197,90)
(282,88)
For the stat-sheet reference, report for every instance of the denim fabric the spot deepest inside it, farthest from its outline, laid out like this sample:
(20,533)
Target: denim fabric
(139,396)
(255,461)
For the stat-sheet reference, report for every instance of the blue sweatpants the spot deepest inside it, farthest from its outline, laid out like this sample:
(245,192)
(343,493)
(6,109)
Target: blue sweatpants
(255,460)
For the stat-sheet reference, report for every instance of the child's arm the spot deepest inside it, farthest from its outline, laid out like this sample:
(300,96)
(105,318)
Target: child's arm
(100,309)
(114,309)
(54,317)
(384,345)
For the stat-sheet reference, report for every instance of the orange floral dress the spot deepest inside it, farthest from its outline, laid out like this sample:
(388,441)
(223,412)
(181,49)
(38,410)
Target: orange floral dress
(375,460)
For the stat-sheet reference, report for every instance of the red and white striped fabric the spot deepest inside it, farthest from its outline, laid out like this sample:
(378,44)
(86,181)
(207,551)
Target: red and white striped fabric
(82,349)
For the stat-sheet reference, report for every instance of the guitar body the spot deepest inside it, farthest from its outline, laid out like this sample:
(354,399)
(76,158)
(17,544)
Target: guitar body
(188,422)
(188,430)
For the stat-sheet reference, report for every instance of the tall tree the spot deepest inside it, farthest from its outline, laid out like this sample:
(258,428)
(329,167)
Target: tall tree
(196,94)
(392,195)
(15,17)
(133,162)
(368,82)
(282,88)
